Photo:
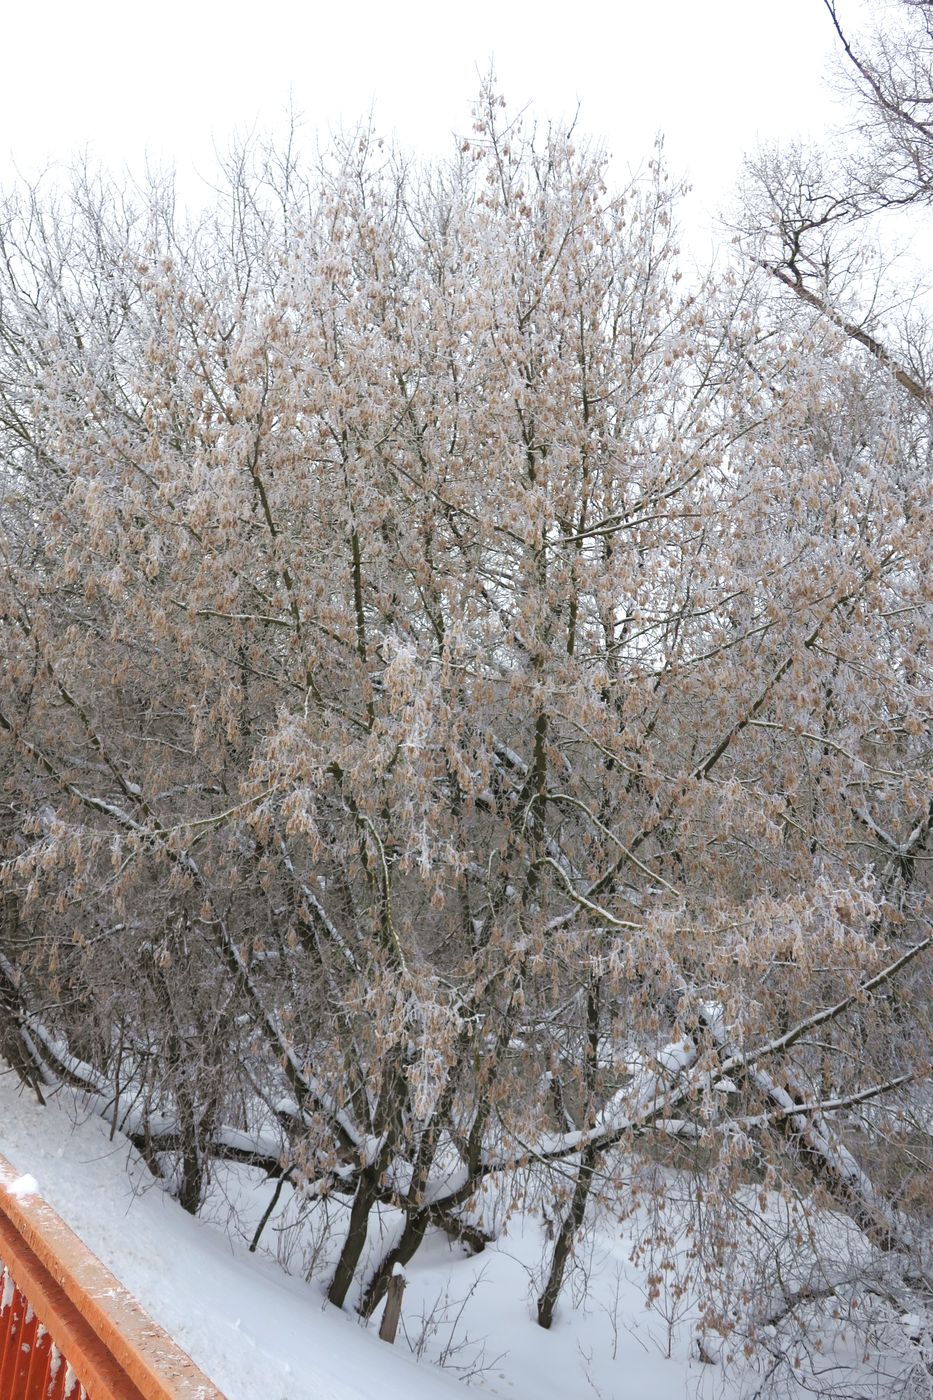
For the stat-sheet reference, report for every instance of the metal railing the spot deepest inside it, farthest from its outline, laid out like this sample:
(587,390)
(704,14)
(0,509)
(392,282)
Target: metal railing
(68,1329)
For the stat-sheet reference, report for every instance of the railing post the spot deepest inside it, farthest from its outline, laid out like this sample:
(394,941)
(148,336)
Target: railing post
(11,1322)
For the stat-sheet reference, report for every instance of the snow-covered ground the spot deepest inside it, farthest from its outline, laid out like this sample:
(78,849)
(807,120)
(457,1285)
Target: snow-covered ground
(262,1335)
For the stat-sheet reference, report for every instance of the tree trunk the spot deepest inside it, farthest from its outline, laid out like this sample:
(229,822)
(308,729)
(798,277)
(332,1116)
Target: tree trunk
(565,1238)
(363,1202)
(404,1251)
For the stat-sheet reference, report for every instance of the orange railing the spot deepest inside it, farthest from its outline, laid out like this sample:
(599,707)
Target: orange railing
(68,1329)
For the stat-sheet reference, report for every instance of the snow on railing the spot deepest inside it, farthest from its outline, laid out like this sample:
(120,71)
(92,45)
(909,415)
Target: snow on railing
(68,1329)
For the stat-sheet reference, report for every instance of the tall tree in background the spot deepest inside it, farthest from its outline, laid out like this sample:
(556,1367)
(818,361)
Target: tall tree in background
(810,208)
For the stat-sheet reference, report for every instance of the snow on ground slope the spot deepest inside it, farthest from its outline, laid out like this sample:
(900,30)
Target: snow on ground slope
(474,1314)
(262,1335)
(258,1334)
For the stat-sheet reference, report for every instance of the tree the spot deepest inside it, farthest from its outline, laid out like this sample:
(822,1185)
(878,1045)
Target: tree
(892,80)
(806,210)
(468,703)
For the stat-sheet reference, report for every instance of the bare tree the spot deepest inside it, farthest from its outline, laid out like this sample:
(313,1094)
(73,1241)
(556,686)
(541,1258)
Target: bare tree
(808,211)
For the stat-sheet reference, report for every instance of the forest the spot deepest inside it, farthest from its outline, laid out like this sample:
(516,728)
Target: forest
(467,700)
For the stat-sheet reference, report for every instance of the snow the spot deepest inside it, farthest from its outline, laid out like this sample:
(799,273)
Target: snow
(677,1056)
(260,1334)
(24,1186)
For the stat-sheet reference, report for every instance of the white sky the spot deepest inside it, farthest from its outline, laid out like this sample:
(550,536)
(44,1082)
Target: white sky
(172,79)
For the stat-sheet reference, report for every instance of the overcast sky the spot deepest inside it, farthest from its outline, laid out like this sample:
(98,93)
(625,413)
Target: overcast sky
(173,79)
